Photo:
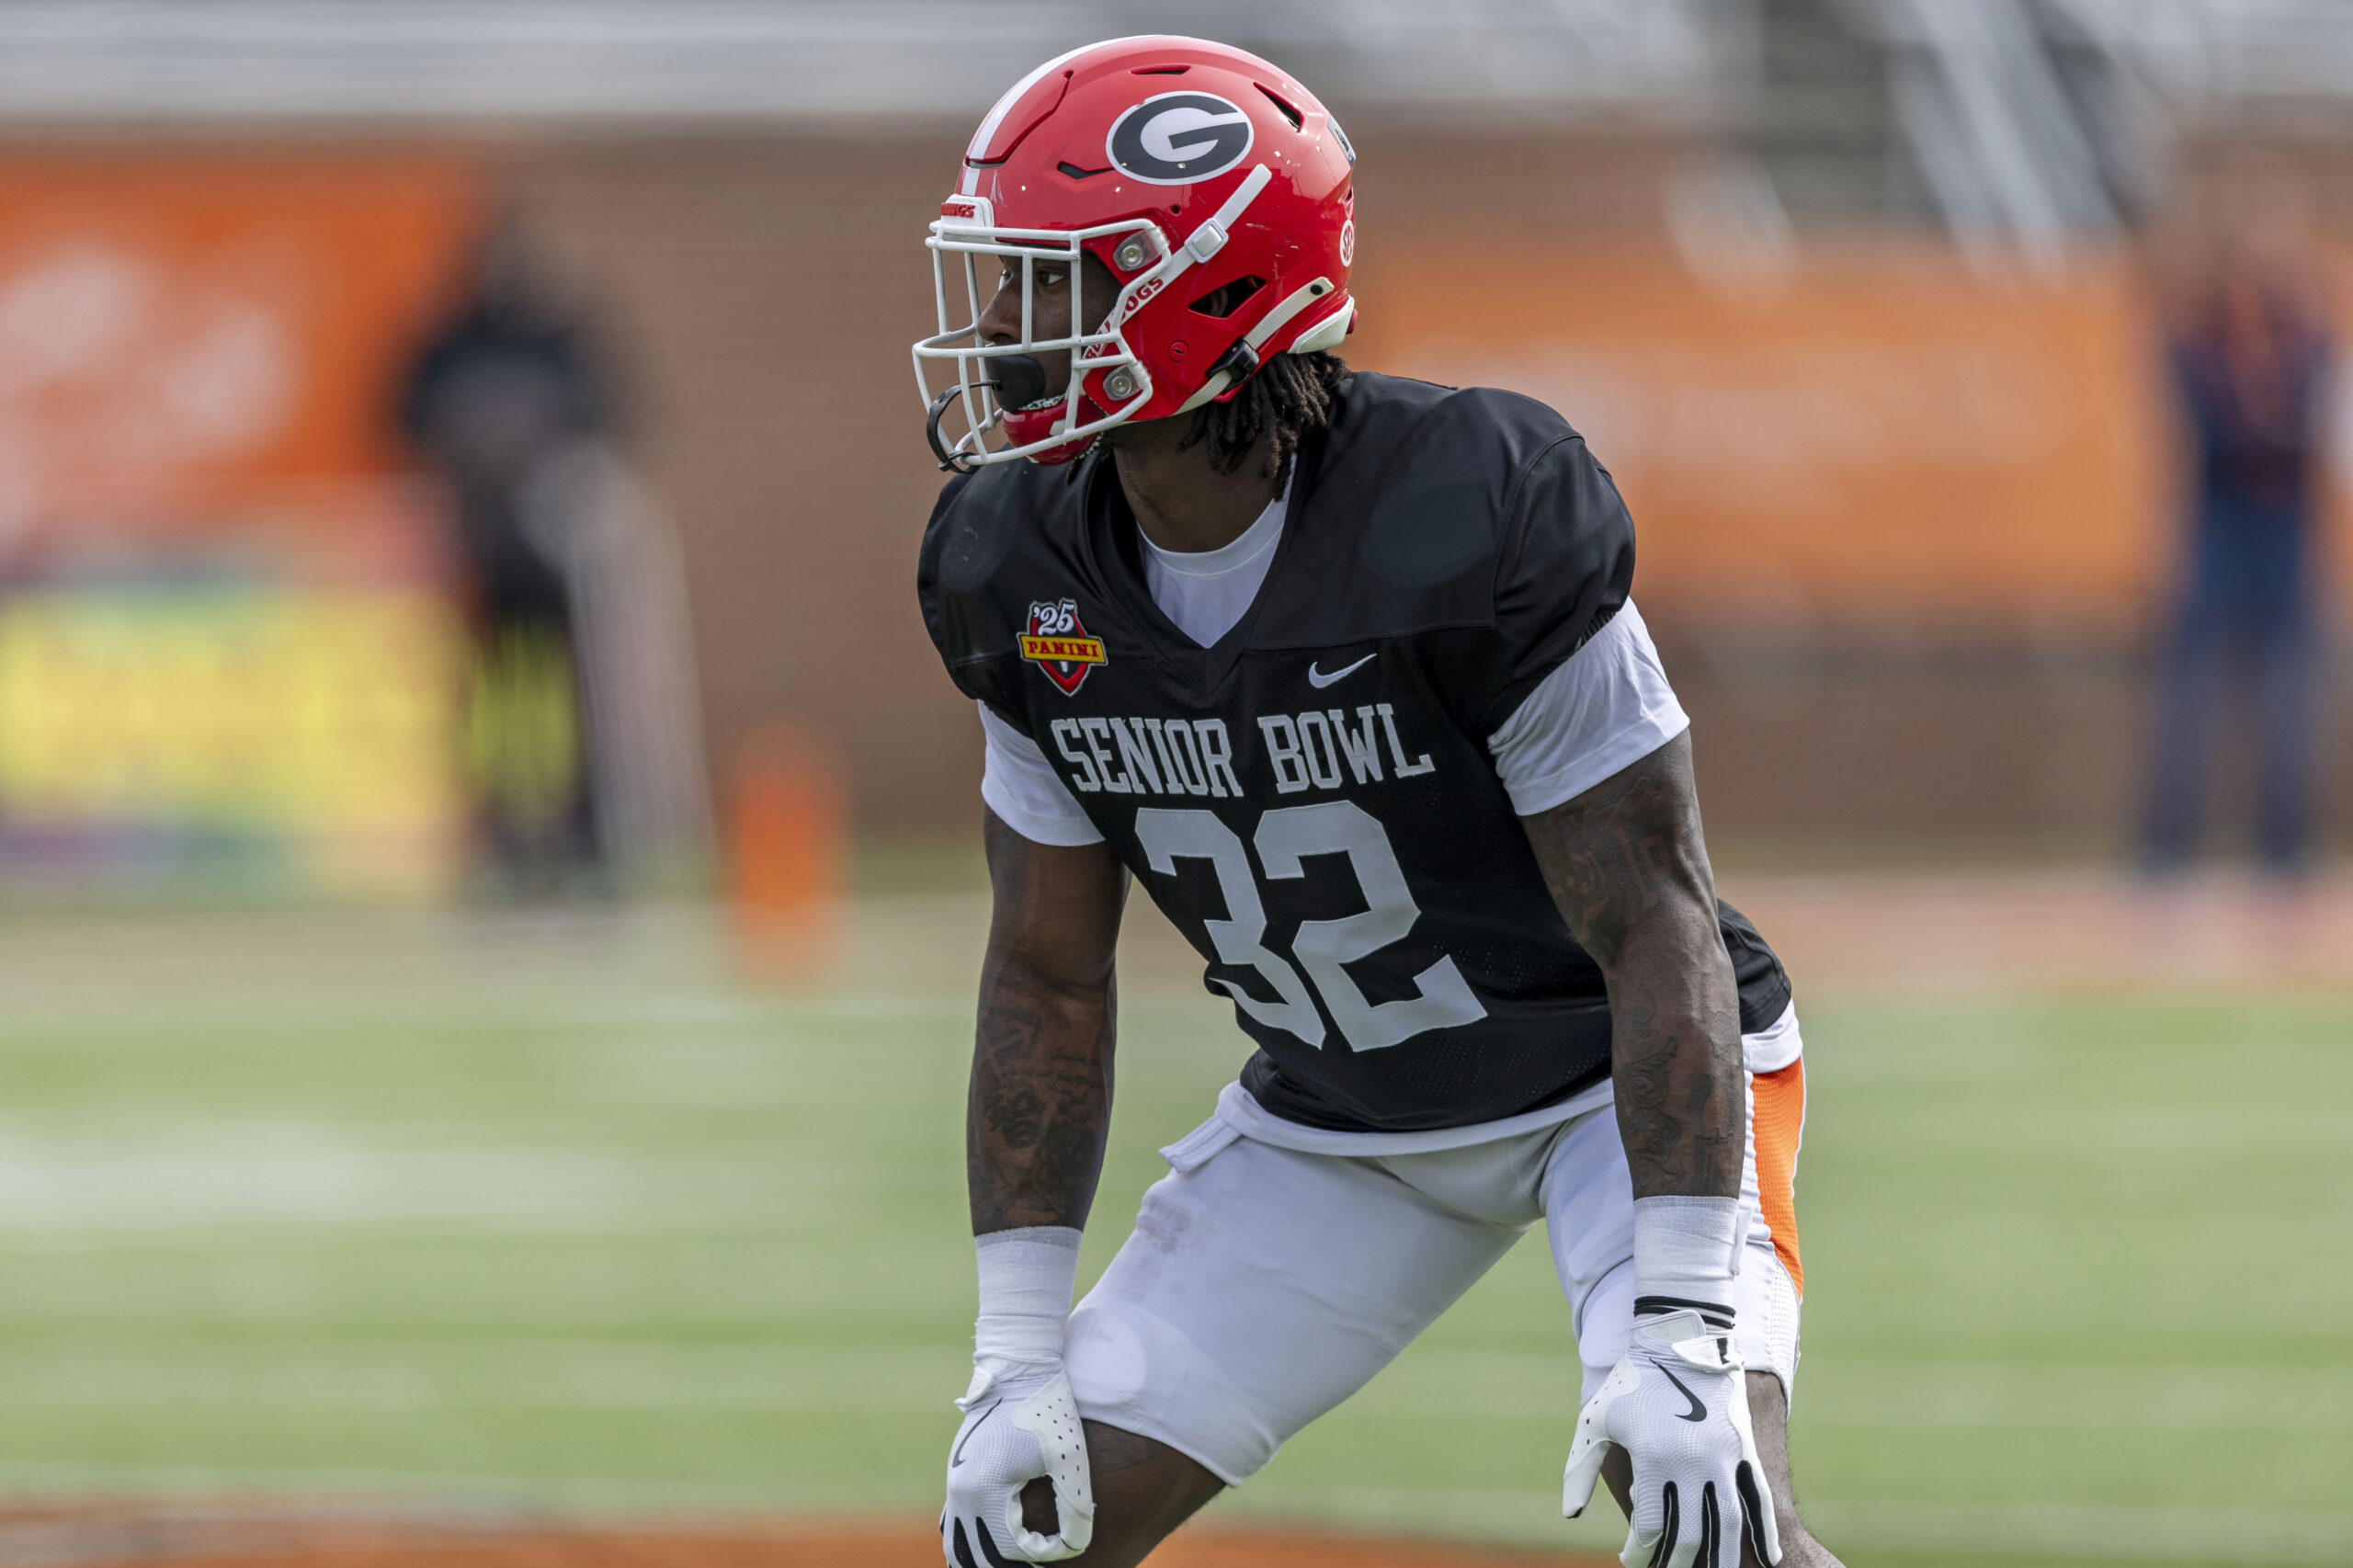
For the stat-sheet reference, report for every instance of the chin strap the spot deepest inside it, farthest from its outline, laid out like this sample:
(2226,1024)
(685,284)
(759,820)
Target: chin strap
(1231,373)
(1239,364)
(950,460)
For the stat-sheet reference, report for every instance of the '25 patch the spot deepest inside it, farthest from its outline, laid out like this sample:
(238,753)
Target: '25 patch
(1058,643)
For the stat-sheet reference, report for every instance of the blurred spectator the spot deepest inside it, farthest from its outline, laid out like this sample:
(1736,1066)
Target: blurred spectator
(495,392)
(582,740)
(2250,358)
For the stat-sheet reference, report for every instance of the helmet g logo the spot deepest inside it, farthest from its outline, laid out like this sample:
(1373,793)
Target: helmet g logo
(1179,138)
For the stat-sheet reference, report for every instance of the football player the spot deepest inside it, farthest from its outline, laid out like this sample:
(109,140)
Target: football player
(1343,670)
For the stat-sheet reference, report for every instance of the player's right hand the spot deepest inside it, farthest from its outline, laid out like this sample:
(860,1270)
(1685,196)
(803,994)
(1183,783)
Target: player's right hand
(1678,1402)
(1020,1423)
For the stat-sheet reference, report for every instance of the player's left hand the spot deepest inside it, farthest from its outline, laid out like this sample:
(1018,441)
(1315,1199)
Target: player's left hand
(1678,1402)
(1020,1422)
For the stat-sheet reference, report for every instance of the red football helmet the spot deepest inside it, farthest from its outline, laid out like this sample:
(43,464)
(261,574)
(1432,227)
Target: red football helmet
(1204,178)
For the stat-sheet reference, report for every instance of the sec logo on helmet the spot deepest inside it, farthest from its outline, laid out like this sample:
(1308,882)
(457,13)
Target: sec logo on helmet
(1179,138)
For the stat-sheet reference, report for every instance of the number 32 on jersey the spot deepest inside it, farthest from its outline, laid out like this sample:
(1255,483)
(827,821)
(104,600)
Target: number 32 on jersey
(1286,835)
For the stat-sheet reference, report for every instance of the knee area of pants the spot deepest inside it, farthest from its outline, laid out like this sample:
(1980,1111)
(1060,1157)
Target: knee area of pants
(1130,1369)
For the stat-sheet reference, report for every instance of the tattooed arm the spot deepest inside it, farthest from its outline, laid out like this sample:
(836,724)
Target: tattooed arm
(1040,1103)
(1628,867)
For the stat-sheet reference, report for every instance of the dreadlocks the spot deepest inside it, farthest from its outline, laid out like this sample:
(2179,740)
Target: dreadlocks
(1290,396)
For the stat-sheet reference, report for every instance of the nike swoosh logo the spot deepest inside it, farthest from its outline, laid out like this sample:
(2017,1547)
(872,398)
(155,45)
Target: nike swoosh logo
(1319,680)
(1698,1412)
(958,1457)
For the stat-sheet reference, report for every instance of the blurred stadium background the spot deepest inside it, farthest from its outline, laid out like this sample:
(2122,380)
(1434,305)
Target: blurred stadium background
(470,1072)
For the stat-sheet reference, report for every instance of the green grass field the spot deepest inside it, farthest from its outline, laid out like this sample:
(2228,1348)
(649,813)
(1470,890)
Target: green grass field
(556,1211)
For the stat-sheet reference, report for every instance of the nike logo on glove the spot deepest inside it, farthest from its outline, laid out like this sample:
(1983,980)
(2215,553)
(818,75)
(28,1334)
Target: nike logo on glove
(1698,1412)
(1319,680)
(958,1457)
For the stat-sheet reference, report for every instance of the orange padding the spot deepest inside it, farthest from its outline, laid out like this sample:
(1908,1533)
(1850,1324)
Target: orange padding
(1778,1123)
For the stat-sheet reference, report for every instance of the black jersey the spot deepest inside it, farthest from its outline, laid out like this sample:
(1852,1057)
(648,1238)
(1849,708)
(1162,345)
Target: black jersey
(1312,801)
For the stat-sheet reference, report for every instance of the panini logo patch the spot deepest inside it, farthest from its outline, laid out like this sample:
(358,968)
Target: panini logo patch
(1058,643)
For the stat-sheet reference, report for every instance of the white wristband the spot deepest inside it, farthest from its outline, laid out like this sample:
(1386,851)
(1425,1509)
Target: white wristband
(1687,1253)
(1027,1277)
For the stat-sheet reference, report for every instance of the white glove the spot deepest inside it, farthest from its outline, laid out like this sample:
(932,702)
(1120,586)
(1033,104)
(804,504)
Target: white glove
(1020,1423)
(1678,1402)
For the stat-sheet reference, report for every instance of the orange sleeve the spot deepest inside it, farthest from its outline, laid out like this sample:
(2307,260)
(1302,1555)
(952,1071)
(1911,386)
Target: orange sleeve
(1776,1103)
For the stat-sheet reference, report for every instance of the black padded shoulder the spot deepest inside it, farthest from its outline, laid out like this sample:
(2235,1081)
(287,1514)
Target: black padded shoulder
(1427,508)
(1418,509)
(997,538)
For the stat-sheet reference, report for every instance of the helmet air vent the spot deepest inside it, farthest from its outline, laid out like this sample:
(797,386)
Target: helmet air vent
(1222,302)
(1074,172)
(1289,113)
(1160,70)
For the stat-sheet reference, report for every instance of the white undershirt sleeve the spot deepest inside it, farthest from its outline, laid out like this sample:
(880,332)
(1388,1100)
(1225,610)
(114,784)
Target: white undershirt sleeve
(1021,786)
(1607,706)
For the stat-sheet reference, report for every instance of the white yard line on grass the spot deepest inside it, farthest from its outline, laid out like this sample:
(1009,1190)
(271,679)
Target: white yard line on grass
(360,1378)
(1899,1396)
(448,1494)
(274,1174)
(523,1369)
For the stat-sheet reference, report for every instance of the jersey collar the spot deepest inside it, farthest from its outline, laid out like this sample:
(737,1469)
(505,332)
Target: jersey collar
(1115,547)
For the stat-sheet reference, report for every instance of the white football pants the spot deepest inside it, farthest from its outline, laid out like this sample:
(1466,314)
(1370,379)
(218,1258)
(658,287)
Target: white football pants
(1263,1286)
